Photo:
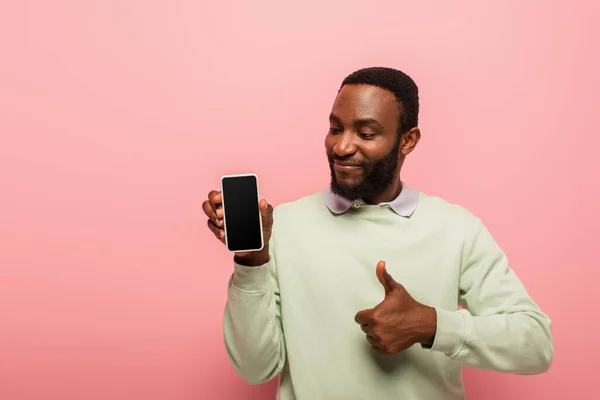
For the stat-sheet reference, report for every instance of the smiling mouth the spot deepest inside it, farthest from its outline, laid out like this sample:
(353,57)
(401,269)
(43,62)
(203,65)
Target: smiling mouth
(346,167)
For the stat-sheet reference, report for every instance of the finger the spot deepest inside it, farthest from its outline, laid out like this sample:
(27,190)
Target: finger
(262,205)
(216,199)
(209,210)
(363,317)
(384,277)
(213,207)
(380,271)
(218,232)
(372,341)
(266,211)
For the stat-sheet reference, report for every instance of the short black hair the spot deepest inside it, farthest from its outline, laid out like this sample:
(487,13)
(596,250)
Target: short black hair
(400,84)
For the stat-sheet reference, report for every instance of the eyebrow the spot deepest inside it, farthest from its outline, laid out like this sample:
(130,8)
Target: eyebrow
(362,121)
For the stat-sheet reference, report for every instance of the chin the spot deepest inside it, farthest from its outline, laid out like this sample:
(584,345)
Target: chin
(348,183)
(346,189)
(356,177)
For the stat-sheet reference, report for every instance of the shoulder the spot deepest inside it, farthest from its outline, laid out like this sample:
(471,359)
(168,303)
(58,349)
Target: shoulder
(435,208)
(294,217)
(301,207)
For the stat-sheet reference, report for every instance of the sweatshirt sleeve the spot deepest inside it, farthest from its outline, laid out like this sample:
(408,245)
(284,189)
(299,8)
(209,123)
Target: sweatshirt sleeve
(252,323)
(500,327)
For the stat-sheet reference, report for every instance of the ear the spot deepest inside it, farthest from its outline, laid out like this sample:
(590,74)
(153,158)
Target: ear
(409,141)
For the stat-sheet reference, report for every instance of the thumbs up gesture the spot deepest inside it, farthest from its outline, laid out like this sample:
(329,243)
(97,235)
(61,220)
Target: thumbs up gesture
(399,321)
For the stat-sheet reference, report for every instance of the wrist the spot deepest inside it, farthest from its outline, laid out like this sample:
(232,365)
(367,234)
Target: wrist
(429,326)
(255,258)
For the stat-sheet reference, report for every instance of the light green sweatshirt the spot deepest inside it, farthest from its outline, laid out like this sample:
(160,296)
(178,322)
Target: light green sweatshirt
(294,316)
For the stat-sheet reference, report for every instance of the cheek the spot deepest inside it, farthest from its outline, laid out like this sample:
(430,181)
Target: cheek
(377,150)
(329,144)
(373,153)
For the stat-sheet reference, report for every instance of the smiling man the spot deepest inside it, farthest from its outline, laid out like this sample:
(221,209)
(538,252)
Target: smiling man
(372,289)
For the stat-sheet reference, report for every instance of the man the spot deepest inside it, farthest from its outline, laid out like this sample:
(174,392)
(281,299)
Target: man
(372,289)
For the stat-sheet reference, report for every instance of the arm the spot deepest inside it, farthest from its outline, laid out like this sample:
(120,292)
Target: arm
(500,328)
(252,321)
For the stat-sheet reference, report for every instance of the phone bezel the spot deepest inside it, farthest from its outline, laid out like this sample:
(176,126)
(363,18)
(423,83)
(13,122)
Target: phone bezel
(262,240)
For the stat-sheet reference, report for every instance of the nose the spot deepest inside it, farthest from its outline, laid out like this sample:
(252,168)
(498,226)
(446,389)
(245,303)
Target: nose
(345,145)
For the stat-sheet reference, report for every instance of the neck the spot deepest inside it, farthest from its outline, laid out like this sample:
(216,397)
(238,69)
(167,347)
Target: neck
(389,194)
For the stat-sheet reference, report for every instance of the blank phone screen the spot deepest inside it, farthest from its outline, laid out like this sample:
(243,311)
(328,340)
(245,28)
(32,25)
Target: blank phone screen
(241,213)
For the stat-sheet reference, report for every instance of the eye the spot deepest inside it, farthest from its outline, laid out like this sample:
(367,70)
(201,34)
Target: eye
(366,136)
(333,130)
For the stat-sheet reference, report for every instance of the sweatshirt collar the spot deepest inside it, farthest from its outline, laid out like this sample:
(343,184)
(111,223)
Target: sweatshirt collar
(403,205)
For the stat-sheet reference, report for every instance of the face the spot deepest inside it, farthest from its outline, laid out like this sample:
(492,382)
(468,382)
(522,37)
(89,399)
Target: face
(364,149)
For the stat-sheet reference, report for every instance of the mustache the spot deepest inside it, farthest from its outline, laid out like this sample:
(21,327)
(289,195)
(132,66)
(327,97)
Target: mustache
(344,160)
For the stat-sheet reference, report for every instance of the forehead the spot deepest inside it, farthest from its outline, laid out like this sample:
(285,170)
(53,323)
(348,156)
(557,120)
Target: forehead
(355,102)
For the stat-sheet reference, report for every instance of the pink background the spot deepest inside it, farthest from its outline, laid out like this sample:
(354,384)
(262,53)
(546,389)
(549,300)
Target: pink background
(118,117)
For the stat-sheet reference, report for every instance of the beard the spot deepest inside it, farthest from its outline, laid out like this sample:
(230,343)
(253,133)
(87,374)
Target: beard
(377,177)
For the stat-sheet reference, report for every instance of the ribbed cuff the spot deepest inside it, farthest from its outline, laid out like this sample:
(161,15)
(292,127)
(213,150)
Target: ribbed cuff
(250,279)
(450,334)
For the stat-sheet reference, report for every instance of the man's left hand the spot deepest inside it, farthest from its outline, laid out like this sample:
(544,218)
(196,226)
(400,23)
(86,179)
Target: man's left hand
(399,321)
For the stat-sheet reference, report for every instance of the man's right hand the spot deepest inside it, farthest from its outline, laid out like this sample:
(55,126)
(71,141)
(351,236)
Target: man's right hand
(213,208)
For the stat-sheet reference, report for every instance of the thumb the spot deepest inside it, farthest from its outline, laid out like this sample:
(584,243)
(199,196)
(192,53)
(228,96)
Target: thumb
(266,210)
(262,205)
(386,279)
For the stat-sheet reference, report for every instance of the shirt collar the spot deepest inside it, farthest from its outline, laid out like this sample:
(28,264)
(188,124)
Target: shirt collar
(403,205)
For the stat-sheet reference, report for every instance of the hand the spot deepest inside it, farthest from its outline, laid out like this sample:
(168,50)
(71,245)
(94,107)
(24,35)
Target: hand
(213,208)
(399,321)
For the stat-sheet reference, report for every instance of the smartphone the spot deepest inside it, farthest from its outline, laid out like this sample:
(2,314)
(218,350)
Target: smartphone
(242,221)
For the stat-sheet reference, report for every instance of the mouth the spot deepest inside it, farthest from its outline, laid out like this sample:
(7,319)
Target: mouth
(345,167)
